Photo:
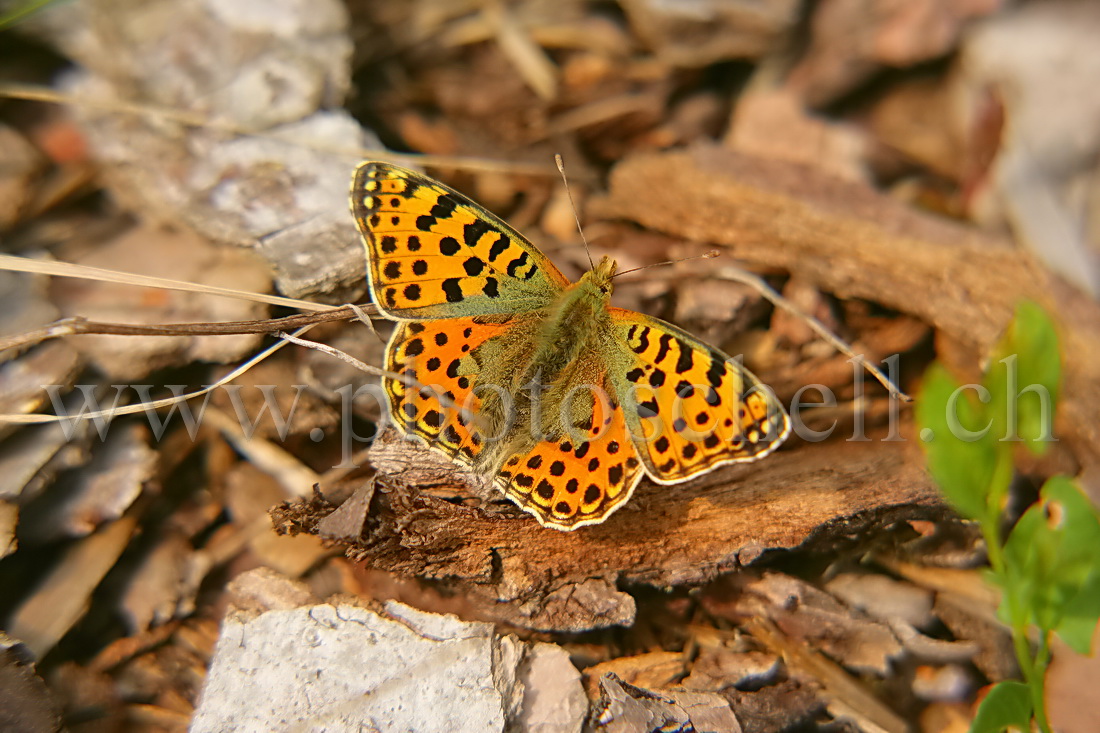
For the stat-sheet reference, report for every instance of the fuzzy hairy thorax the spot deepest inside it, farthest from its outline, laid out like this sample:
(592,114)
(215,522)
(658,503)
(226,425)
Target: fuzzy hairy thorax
(538,381)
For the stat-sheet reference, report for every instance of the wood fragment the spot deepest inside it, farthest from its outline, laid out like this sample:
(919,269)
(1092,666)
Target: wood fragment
(689,534)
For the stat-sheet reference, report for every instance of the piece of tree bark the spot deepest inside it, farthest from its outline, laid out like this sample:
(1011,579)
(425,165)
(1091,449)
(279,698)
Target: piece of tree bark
(665,536)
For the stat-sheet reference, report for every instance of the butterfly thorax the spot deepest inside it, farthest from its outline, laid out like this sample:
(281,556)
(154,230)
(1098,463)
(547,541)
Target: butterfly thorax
(572,323)
(560,355)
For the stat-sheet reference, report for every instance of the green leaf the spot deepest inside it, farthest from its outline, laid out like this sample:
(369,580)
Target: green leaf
(1052,560)
(1006,704)
(960,458)
(1080,619)
(1024,379)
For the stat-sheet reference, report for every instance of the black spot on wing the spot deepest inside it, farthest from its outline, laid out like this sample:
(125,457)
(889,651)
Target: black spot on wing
(685,361)
(517,263)
(498,248)
(472,232)
(444,207)
(450,435)
(716,372)
(665,344)
(453,290)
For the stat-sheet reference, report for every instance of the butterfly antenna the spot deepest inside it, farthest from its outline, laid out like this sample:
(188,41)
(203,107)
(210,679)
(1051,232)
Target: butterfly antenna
(573,205)
(705,256)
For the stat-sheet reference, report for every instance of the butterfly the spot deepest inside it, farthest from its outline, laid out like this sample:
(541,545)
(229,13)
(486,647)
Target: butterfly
(535,382)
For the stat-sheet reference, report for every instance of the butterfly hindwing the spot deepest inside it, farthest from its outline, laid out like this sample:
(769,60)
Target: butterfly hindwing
(433,253)
(579,478)
(690,407)
(436,399)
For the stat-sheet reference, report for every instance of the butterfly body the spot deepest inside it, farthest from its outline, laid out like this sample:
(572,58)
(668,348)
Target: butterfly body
(539,383)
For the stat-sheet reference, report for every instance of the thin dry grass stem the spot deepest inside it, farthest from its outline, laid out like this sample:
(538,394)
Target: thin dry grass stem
(190,119)
(367,368)
(84,272)
(758,284)
(365,318)
(77,326)
(33,419)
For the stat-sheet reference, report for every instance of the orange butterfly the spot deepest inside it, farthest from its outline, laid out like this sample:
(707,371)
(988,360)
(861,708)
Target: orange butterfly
(565,401)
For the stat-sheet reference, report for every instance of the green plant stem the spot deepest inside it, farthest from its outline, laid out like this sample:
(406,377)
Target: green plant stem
(19,13)
(991,522)
(1037,681)
(1033,667)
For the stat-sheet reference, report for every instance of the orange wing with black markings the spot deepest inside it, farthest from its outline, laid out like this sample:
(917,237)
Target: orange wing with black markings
(577,479)
(433,253)
(690,407)
(435,400)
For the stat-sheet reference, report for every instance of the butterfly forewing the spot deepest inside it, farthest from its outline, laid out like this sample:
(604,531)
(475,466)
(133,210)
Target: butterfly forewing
(689,406)
(433,253)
